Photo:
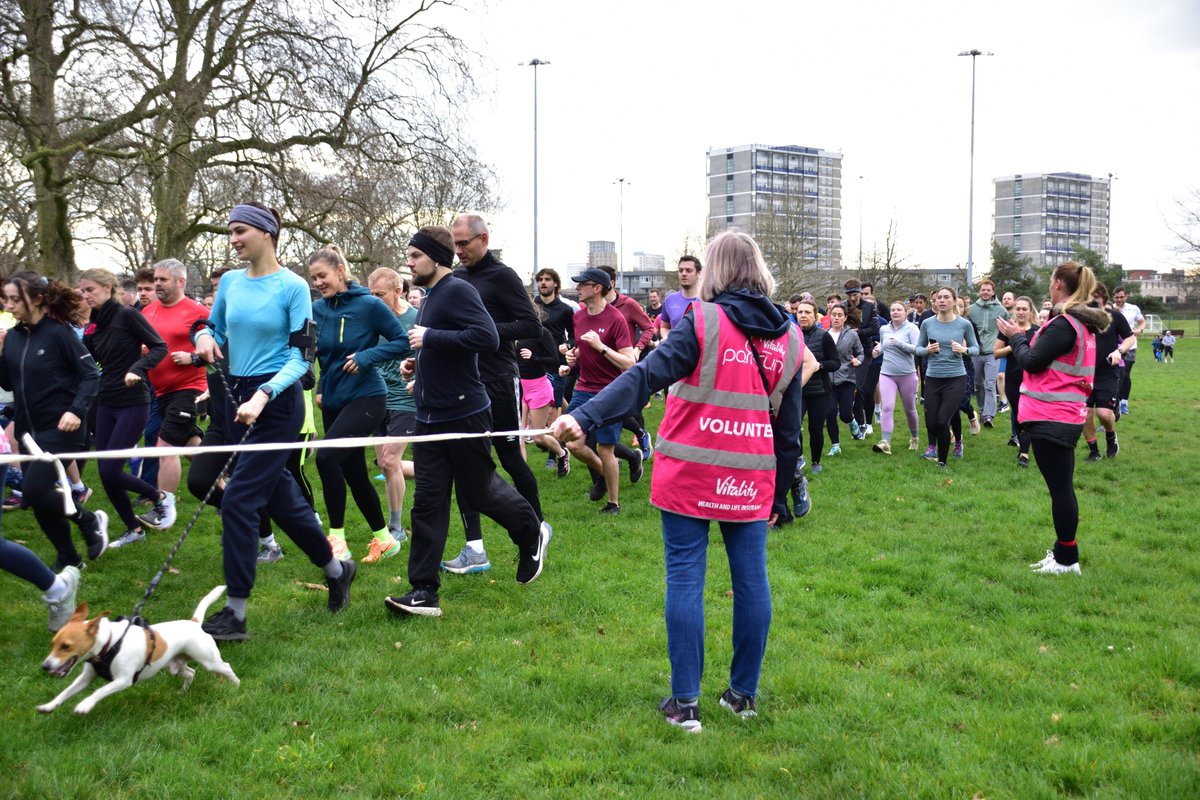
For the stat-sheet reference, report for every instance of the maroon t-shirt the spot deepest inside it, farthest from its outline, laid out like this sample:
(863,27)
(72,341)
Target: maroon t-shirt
(595,370)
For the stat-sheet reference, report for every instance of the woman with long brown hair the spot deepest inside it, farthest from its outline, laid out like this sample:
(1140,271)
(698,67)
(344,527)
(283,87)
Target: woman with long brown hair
(54,382)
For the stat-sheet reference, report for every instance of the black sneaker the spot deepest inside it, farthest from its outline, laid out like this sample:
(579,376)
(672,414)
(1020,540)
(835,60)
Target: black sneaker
(737,704)
(1023,461)
(224,626)
(742,707)
(563,463)
(987,422)
(1013,441)
(339,588)
(1093,456)
(420,602)
(1113,448)
(533,559)
(686,717)
(635,467)
(97,538)
(597,491)
(611,508)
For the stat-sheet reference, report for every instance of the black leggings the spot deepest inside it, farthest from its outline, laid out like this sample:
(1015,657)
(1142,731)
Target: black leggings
(341,467)
(815,407)
(40,490)
(1056,462)
(840,403)
(942,399)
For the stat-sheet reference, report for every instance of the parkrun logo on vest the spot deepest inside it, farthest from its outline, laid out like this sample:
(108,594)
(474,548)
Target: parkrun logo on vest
(731,487)
(772,356)
(739,428)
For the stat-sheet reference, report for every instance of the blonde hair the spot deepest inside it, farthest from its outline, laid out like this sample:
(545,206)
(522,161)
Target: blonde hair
(388,276)
(1080,282)
(100,276)
(733,261)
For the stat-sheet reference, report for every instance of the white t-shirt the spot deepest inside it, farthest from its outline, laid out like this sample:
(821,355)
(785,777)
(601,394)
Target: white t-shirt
(1133,315)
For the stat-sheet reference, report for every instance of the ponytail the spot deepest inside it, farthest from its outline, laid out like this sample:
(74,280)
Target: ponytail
(1080,282)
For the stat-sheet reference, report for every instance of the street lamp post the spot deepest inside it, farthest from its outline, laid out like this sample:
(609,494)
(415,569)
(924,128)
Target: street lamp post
(971,205)
(860,223)
(535,63)
(621,231)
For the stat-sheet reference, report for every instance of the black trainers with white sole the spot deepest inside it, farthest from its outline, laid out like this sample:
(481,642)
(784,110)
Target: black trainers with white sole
(420,602)
(533,559)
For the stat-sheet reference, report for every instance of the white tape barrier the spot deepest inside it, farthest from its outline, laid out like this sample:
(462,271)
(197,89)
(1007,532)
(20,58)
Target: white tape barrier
(36,453)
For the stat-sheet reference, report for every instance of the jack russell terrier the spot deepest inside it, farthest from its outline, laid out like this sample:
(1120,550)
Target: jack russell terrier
(124,653)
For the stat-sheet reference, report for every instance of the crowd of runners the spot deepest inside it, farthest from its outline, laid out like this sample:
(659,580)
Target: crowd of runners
(451,354)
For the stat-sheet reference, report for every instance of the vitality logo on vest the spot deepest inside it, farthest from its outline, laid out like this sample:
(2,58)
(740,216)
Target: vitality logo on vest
(729,486)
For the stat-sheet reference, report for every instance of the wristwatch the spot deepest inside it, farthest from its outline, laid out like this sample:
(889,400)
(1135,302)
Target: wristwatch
(267,390)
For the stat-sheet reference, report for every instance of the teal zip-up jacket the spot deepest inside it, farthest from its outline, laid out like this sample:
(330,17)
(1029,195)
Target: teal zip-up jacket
(984,314)
(354,321)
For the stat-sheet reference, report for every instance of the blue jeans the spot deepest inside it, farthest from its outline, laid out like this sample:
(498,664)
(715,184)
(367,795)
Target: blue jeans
(685,546)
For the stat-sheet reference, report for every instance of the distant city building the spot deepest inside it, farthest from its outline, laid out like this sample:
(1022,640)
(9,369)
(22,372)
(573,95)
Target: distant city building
(601,254)
(648,262)
(1168,287)
(1042,215)
(788,197)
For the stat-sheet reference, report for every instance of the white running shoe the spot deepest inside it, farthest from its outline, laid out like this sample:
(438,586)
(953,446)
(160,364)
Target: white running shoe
(1055,568)
(1047,560)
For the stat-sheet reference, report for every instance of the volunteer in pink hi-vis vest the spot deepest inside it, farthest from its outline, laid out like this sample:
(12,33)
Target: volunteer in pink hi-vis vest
(1059,362)
(727,451)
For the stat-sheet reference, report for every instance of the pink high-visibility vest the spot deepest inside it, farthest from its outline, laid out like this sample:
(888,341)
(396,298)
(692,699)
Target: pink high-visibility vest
(1060,392)
(715,454)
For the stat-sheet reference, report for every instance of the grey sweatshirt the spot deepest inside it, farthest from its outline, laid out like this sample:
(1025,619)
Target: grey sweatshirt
(899,346)
(848,346)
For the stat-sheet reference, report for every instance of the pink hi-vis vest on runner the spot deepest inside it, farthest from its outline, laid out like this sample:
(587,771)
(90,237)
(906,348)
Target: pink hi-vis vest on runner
(716,446)
(1060,393)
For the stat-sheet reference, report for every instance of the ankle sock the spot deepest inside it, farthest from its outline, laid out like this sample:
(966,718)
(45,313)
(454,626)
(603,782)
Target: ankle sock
(383,534)
(77,486)
(1091,443)
(338,532)
(476,545)
(237,605)
(333,569)
(268,540)
(57,590)
(394,520)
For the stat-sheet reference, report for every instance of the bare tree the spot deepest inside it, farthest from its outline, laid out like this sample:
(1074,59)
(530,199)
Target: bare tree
(888,270)
(187,89)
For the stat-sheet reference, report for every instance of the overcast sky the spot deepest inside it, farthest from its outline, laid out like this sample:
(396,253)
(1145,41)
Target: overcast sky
(641,90)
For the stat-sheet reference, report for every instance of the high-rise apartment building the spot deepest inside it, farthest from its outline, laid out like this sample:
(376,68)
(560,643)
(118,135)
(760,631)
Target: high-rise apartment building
(789,198)
(1042,215)
(648,262)
(602,254)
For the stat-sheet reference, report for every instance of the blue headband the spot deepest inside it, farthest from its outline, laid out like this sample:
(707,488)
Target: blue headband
(253,215)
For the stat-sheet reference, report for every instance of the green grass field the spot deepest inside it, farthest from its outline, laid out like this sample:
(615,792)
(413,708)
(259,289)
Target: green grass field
(911,652)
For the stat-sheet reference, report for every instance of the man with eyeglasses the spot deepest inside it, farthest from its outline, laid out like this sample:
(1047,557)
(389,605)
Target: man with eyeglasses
(504,296)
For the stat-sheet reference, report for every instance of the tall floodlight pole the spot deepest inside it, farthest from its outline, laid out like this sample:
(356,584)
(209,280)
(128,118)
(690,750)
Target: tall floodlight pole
(1108,222)
(621,231)
(535,63)
(971,205)
(860,223)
